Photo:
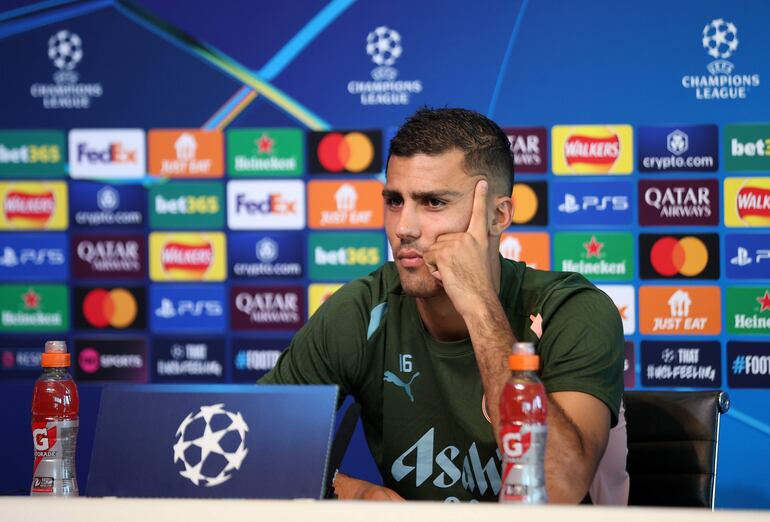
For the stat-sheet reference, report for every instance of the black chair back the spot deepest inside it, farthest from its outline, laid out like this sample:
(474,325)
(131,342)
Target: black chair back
(673,439)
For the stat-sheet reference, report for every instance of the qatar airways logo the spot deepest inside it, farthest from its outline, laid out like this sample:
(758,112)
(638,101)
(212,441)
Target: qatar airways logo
(267,307)
(105,256)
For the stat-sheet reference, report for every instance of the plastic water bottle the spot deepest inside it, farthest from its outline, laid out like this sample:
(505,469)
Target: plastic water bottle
(55,425)
(523,429)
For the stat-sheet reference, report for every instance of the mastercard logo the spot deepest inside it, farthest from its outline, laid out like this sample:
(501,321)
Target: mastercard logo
(687,256)
(526,204)
(356,151)
(116,308)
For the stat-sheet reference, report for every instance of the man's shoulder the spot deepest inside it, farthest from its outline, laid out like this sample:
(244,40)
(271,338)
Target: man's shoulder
(368,291)
(534,288)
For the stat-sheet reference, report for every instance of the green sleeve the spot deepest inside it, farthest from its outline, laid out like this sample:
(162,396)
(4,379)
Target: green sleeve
(582,347)
(329,348)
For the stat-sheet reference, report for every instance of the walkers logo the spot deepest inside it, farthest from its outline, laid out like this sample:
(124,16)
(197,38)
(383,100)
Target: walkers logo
(747,202)
(109,257)
(33,206)
(675,363)
(266,307)
(188,308)
(266,205)
(533,248)
(629,366)
(604,256)
(747,148)
(187,256)
(748,365)
(66,51)
(100,205)
(592,149)
(252,358)
(345,255)
(349,204)
(747,256)
(748,310)
(720,40)
(189,205)
(318,294)
(679,202)
(188,360)
(672,310)
(345,151)
(34,308)
(384,47)
(186,153)
(679,256)
(530,203)
(34,257)
(110,359)
(599,203)
(106,153)
(279,254)
(26,152)
(682,148)
(625,300)
(530,149)
(265,152)
(110,308)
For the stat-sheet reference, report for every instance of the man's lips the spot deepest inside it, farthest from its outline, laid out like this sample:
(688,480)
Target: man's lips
(409,258)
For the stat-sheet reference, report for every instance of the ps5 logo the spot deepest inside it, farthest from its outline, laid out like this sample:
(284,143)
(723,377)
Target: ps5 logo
(31,256)
(596,203)
(743,258)
(188,307)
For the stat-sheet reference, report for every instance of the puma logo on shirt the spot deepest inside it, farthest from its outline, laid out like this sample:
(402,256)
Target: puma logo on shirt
(395,379)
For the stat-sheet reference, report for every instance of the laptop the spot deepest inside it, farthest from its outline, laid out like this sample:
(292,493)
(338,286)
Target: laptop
(212,441)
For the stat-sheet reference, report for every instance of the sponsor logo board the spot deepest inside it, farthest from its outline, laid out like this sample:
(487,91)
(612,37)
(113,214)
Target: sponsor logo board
(352,151)
(267,307)
(747,256)
(96,205)
(189,205)
(681,363)
(265,152)
(266,205)
(679,256)
(318,294)
(597,203)
(748,310)
(188,308)
(106,153)
(34,257)
(344,255)
(680,310)
(345,204)
(678,202)
(598,256)
(532,248)
(20,356)
(663,148)
(109,308)
(33,205)
(592,149)
(277,254)
(624,297)
(747,202)
(530,149)
(530,203)
(187,256)
(629,366)
(34,308)
(32,152)
(748,365)
(747,148)
(110,359)
(252,358)
(108,256)
(185,153)
(188,359)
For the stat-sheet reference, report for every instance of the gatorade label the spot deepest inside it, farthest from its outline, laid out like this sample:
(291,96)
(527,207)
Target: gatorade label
(48,469)
(523,457)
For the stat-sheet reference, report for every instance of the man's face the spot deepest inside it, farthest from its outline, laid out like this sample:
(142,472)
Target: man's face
(425,196)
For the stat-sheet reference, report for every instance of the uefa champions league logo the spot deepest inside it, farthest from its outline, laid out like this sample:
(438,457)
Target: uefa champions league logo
(720,40)
(211,444)
(65,49)
(384,46)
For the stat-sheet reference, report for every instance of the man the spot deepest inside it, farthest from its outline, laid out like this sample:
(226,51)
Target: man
(422,343)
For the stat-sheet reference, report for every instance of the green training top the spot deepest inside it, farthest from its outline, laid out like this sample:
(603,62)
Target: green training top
(422,400)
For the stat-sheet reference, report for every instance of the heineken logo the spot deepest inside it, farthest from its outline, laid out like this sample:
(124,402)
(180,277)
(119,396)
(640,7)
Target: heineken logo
(748,310)
(597,256)
(33,308)
(265,152)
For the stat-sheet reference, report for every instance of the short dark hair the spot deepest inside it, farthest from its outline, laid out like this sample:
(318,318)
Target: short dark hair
(435,131)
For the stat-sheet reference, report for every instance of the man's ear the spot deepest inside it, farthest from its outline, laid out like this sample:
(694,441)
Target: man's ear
(502,214)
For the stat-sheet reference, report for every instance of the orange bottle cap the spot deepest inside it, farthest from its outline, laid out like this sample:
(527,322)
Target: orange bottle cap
(55,360)
(524,362)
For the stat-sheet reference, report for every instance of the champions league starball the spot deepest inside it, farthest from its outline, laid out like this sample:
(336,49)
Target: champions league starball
(65,49)
(384,46)
(720,38)
(211,444)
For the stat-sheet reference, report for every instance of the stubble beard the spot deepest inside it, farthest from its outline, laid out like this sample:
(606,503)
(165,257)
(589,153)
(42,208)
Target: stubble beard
(419,283)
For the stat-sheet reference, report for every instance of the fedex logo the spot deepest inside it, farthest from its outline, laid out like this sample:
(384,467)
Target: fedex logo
(114,153)
(107,153)
(266,205)
(272,204)
(605,203)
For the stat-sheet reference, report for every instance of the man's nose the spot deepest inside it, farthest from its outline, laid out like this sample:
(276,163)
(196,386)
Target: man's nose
(408,226)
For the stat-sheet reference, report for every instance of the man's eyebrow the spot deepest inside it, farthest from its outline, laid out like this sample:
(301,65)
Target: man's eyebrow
(422,195)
